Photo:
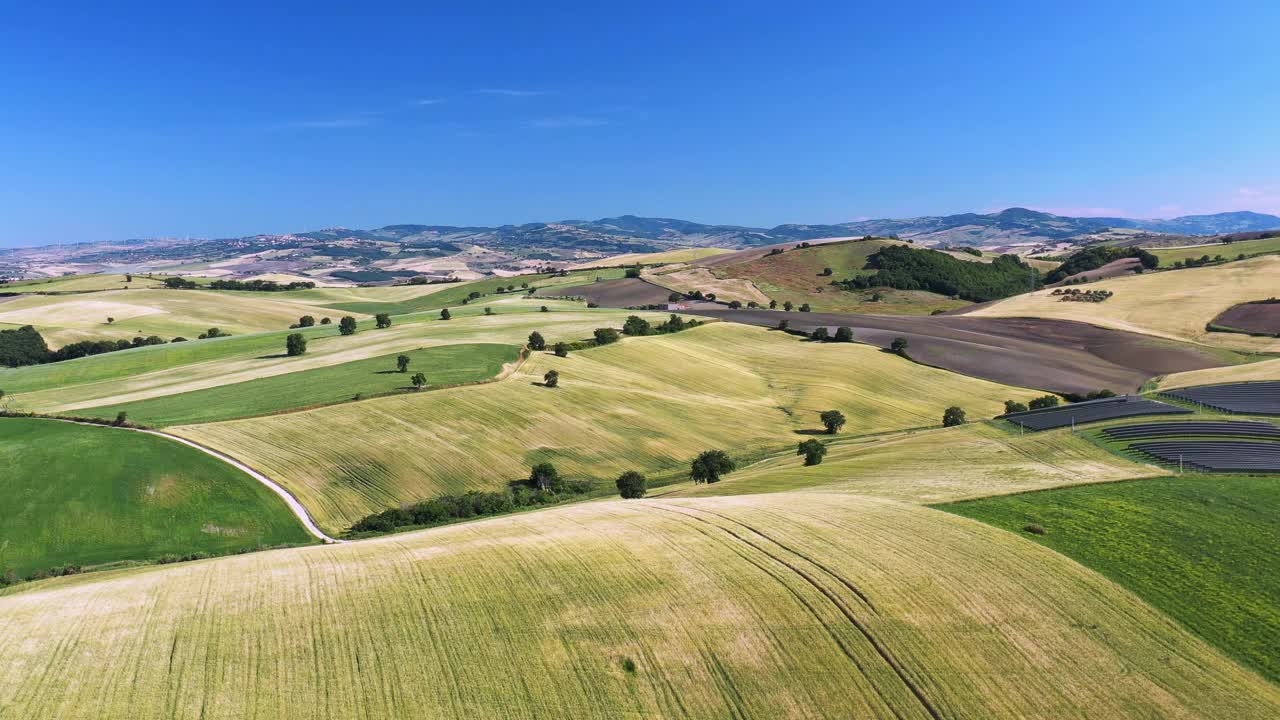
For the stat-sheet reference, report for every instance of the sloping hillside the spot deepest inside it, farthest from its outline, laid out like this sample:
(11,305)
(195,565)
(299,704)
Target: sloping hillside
(792,604)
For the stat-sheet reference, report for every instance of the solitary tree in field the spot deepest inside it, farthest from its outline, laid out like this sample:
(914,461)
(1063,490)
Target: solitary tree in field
(110,320)
(899,346)
(813,451)
(832,420)
(488,309)
(953,416)
(675,297)
(735,305)
(326,321)
(709,466)
(122,417)
(347,325)
(295,345)
(826,272)
(561,350)
(128,278)
(402,363)
(632,272)
(631,485)
(844,334)
(544,476)
(444,314)
(551,379)
(788,305)
(1013,406)
(819,334)
(382,320)
(306,321)
(784,324)
(604,336)
(773,304)
(804,307)
(419,380)
(536,341)
(544,309)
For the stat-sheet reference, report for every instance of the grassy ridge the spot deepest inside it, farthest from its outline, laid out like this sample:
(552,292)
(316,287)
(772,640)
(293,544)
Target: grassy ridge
(443,365)
(1202,548)
(88,495)
(785,605)
(649,403)
(453,294)
(1262,246)
(796,276)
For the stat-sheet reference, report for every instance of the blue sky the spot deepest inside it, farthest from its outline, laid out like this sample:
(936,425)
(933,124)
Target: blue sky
(152,119)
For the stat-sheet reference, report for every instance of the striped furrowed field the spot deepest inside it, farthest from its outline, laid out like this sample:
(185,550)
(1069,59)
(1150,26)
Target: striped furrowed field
(146,373)
(650,403)
(1176,304)
(682,255)
(937,465)
(781,605)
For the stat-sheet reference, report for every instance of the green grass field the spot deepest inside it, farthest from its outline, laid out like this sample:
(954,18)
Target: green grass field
(451,294)
(1264,246)
(443,365)
(1202,548)
(650,403)
(796,276)
(88,495)
(782,605)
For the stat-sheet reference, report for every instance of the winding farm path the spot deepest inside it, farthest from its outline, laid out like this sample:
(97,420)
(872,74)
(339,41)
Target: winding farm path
(296,507)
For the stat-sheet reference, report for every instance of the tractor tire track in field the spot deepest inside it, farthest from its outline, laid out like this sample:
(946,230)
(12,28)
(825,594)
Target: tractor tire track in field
(765,545)
(296,507)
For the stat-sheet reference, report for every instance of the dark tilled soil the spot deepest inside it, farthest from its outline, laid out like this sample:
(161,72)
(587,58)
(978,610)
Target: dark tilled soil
(1115,268)
(627,292)
(1262,318)
(1056,355)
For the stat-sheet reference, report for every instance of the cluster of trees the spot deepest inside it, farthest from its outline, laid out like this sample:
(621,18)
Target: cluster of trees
(212,332)
(1095,257)
(260,285)
(544,486)
(821,334)
(1201,261)
(309,321)
(638,326)
(906,268)
(26,346)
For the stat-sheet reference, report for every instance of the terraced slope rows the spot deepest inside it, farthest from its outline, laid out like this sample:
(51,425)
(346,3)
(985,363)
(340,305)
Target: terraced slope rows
(650,403)
(792,604)
(76,495)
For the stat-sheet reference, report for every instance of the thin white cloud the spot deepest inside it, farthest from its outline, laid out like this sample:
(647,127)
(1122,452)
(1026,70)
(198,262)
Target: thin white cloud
(428,101)
(568,121)
(508,92)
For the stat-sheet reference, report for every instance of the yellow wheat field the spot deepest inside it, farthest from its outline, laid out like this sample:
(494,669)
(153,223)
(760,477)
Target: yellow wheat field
(785,605)
(649,403)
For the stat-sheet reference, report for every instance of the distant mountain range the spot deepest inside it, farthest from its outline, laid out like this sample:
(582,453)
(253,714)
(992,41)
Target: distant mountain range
(460,251)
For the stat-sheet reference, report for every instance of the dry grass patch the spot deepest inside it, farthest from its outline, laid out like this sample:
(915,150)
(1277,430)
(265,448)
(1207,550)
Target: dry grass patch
(786,605)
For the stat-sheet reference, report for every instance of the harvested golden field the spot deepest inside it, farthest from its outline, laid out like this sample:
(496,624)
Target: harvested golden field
(689,280)
(1175,304)
(1261,370)
(64,319)
(649,403)
(783,605)
(682,255)
(937,465)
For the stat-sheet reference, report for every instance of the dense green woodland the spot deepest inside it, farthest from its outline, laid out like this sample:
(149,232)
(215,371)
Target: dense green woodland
(907,268)
(26,346)
(1095,257)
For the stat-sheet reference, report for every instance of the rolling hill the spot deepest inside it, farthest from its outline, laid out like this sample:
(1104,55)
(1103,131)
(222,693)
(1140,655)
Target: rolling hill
(790,604)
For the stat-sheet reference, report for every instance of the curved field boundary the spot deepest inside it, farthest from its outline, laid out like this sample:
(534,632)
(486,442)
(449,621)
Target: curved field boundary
(296,507)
